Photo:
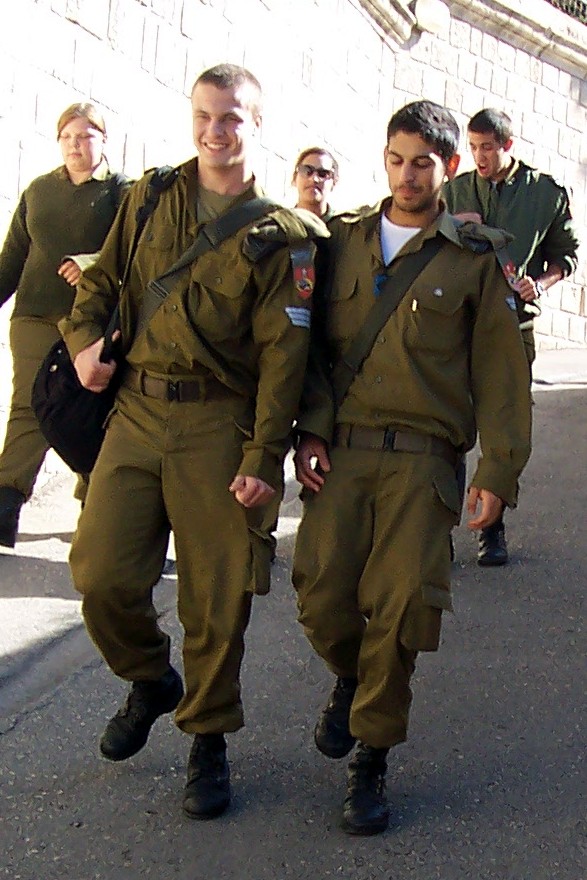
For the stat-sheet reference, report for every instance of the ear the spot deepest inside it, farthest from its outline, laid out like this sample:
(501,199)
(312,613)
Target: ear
(452,166)
(385,155)
(508,145)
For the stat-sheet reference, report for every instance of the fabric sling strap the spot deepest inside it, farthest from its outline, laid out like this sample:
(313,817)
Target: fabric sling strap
(401,277)
(161,179)
(209,237)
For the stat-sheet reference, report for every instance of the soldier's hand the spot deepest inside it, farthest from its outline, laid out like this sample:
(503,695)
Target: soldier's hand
(70,271)
(469,217)
(251,491)
(91,371)
(526,287)
(311,461)
(488,505)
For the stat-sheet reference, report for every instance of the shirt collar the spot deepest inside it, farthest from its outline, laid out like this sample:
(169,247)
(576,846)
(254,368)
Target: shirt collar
(101,172)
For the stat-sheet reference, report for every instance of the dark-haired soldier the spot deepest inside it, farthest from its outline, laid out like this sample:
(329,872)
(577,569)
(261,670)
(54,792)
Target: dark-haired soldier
(505,192)
(378,450)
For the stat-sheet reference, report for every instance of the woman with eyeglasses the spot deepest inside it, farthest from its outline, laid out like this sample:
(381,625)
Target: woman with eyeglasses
(315,176)
(59,225)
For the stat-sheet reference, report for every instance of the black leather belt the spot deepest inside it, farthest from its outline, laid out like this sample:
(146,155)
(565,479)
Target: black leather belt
(388,440)
(180,390)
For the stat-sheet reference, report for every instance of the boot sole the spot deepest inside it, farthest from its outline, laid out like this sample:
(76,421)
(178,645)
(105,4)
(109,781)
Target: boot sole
(492,563)
(364,830)
(210,814)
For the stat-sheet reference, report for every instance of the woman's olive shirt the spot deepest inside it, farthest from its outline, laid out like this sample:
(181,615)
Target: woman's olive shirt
(55,217)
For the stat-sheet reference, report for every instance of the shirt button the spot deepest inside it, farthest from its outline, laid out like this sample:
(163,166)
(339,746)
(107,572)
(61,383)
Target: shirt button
(174,308)
(381,340)
(174,344)
(378,379)
(218,279)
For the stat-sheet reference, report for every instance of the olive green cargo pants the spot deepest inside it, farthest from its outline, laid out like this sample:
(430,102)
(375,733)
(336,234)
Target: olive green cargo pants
(24,445)
(169,465)
(371,570)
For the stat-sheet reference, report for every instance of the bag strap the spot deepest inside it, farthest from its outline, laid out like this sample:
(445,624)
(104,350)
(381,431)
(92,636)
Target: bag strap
(161,179)
(210,236)
(400,278)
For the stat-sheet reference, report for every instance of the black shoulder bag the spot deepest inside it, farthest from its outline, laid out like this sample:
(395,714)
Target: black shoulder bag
(72,418)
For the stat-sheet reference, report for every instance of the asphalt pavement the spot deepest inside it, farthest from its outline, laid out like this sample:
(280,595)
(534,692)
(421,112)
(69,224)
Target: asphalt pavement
(490,785)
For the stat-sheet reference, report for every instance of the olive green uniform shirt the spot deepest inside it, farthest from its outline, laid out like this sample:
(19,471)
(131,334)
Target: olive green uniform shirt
(237,318)
(55,217)
(448,363)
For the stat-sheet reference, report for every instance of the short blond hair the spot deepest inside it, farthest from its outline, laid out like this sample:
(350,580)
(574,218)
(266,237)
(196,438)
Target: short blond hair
(82,111)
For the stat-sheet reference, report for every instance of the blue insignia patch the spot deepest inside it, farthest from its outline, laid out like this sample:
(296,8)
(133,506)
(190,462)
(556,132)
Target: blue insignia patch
(299,317)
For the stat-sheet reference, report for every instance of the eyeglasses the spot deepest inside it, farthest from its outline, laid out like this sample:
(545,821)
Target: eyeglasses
(312,171)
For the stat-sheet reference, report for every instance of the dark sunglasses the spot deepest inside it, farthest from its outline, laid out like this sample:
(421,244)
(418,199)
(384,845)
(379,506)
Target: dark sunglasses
(311,171)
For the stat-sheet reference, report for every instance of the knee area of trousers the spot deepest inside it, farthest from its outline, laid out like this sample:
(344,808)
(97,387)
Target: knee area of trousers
(420,628)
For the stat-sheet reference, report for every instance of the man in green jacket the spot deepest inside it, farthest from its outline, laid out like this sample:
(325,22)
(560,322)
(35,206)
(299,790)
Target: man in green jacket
(503,191)
(378,463)
(197,437)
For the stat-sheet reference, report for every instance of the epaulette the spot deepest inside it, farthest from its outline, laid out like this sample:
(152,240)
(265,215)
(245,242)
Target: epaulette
(480,238)
(353,215)
(284,226)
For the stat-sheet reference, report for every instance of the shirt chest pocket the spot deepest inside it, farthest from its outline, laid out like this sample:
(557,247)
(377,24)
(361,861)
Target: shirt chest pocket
(434,318)
(219,300)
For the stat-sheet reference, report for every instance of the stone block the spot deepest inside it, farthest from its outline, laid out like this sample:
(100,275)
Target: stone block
(433,86)
(576,116)
(506,56)
(90,15)
(489,48)
(460,34)
(550,76)
(499,80)
(171,58)
(127,25)
(483,74)
(522,64)
(466,67)
(453,99)
(164,9)
(578,329)
(408,77)
(476,46)
(149,44)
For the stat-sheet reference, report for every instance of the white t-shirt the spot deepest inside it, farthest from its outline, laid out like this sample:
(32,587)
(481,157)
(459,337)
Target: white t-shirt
(394,237)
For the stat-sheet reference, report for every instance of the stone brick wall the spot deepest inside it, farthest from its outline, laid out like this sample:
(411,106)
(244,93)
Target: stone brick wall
(333,72)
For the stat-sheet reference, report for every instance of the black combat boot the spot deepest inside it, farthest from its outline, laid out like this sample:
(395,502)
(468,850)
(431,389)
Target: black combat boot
(11,500)
(207,792)
(365,808)
(332,735)
(493,549)
(127,732)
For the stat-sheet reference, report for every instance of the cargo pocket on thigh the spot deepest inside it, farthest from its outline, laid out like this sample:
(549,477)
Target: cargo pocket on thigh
(420,627)
(261,552)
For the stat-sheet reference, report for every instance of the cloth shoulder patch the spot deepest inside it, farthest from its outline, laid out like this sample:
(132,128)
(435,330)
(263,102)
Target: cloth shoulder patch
(300,316)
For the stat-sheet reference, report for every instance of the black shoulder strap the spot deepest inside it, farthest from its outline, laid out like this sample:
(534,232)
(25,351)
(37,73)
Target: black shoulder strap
(161,179)
(400,278)
(209,237)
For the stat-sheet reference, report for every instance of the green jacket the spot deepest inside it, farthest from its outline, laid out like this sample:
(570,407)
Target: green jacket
(448,363)
(530,205)
(55,217)
(235,313)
